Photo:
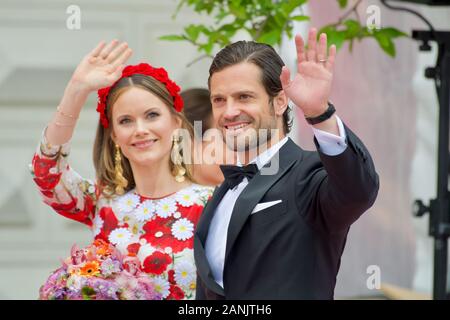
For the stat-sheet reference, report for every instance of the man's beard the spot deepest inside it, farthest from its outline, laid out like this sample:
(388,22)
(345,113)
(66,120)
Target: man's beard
(257,138)
(252,138)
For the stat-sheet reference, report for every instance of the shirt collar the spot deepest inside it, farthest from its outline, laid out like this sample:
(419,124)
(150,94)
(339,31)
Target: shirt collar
(266,155)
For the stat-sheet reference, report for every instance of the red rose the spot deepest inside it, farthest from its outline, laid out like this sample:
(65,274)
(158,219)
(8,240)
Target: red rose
(156,263)
(175,293)
(159,74)
(172,88)
(178,103)
(171,274)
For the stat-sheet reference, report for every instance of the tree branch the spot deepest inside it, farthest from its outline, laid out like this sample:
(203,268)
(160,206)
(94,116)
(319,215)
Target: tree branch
(350,11)
(198,59)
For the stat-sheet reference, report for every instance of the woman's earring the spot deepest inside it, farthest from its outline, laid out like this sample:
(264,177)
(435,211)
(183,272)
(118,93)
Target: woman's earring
(177,160)
(119,179)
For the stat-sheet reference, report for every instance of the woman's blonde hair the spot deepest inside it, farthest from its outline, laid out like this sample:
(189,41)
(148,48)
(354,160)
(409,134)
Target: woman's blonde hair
(104,146)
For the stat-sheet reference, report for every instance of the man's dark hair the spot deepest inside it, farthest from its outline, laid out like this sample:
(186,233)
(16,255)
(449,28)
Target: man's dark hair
(263,56)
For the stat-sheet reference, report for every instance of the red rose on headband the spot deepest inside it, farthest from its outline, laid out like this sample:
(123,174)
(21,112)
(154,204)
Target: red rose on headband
(159,74)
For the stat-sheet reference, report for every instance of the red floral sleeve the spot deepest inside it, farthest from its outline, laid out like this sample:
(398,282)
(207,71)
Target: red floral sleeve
(60,186)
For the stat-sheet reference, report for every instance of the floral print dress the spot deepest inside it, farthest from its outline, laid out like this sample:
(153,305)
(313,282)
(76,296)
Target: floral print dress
(155,234)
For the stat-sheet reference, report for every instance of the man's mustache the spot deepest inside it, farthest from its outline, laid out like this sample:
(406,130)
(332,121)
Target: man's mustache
(237,119)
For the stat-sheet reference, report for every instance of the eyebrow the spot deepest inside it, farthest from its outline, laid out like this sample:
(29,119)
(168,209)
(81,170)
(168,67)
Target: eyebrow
(237,93)
(146,111)
(152,109)
(248,92)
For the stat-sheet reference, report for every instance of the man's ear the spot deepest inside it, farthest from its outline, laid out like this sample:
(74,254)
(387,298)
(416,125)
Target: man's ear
(280,103)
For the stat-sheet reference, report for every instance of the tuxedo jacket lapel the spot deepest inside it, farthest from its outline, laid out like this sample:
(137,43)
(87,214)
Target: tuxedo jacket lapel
(204,269)
(208,212)
(254,191)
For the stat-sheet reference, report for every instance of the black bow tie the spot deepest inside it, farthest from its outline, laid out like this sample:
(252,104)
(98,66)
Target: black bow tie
(234,174)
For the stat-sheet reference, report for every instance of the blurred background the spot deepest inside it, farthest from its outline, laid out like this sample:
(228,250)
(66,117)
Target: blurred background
(386,100)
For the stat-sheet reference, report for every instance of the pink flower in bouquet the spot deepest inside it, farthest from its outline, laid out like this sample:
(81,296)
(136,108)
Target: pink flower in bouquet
(98,272)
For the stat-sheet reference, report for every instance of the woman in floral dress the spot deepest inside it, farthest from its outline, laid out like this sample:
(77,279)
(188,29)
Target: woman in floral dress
(143,200)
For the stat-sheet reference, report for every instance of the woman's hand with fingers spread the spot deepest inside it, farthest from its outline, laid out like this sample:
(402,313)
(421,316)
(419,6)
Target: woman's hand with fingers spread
(102,66)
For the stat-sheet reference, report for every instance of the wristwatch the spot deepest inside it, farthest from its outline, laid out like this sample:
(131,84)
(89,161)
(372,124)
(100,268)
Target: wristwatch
(324,116)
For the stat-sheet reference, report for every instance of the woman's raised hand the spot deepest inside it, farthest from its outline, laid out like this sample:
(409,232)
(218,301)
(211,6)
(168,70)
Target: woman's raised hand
(102,66)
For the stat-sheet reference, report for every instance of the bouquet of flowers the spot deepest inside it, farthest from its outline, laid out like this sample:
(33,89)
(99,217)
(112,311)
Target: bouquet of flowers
(98,272)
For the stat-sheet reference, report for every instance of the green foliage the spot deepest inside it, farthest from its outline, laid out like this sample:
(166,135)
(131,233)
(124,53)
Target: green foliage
(88,293)
(268,20)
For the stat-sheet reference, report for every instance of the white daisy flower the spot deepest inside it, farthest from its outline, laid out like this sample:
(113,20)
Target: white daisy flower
(145,251)
(120,236)
(97,224)
(162,286)
(166,207)
(123,246)
(128,202)
(145,211)
(183,229)
(75,282)
(186,197)
(203,194)
(185,274)
(177,215)
(168,250)
(91,188)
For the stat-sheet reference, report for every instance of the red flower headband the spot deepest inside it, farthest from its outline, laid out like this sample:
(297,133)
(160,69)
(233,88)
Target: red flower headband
(159,74)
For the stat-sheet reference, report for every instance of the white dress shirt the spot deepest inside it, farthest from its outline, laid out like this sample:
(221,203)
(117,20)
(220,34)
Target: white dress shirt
(216,240)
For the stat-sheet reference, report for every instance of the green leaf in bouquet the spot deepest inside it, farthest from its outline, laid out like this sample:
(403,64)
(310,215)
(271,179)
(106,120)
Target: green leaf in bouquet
(88,293)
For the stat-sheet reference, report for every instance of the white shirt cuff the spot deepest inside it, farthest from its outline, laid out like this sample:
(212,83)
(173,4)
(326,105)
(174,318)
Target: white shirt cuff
(330,144)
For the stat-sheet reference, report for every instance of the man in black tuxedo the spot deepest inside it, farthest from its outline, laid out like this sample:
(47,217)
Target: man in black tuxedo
(276,228)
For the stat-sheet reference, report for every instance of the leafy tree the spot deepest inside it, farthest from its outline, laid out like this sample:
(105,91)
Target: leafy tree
(267,20)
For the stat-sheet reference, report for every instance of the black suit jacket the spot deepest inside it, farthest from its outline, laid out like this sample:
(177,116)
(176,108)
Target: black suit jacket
(291,250)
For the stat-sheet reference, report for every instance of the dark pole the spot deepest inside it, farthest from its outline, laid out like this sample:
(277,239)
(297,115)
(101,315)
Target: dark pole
(441,235)
(439,227)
